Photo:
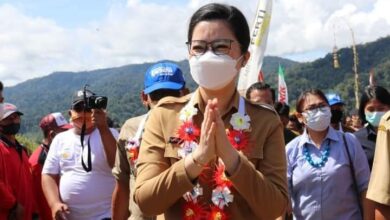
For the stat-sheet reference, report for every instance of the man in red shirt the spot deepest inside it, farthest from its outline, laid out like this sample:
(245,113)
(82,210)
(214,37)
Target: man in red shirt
(16,196)
(51,125)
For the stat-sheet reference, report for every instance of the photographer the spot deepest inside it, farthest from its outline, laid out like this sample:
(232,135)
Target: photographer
(76,177)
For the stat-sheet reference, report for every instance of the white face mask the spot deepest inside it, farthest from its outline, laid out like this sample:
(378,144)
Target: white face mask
(374,117)
(318,119)
(213,71)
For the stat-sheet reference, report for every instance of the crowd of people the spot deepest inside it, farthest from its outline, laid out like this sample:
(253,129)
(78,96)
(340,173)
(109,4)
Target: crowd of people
(209,154)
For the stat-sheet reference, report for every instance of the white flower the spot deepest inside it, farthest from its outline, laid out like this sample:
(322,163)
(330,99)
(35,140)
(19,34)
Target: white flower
(193,195)
(221,196)
(240,122)
(132,143)
(187,113)
(186,148)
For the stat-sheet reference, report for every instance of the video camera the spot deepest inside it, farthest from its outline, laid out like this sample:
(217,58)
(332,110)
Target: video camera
(94,101)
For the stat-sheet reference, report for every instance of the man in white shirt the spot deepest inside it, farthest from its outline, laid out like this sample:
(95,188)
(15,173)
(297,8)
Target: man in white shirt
(76,176)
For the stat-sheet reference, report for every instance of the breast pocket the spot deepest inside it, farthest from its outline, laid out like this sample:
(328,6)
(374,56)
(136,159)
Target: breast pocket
(67,158)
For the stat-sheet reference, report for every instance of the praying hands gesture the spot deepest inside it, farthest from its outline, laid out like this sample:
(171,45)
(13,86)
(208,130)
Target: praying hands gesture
(224,149)
(213,143)
(205,151)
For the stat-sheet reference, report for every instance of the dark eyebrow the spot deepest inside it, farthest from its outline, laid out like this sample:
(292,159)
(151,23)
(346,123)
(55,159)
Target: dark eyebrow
(321,104)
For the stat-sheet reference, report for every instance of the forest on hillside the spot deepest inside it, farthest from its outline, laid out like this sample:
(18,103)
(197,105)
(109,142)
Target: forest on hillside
(122,85)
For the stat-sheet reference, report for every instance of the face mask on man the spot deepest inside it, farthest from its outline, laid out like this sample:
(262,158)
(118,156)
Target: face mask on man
(213,71)
(11,129)
(374,117)
(337,116)
(77,119)
(317,119)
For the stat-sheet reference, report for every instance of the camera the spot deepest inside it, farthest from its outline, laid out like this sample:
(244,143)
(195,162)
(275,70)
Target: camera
(96,102)
(93,101)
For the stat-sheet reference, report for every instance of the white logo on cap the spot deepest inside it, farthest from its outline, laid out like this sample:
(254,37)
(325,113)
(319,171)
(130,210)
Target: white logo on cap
(60,120)
(164,71)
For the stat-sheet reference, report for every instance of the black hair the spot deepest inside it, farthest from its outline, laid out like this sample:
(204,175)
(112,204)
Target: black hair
(295,120)
(260,86)
(230,14)
(370,93)
(303,96)
(282,108)
(1,86)
(161,93)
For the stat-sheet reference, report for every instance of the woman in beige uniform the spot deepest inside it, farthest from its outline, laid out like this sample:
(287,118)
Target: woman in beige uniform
(212,154)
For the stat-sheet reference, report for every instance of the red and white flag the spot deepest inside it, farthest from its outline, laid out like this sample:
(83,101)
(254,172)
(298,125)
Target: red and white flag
(282,87)
(261,76)
(250,73)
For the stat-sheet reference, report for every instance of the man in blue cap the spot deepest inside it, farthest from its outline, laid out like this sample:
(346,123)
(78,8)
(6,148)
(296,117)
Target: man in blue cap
(337,109)
(161,80)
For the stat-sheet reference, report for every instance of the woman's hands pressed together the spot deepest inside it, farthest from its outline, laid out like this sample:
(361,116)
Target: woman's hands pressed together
(213,143)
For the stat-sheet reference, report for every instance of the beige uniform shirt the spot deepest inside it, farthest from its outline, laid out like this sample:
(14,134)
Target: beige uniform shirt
(379,186)
(122,169)
(260,183)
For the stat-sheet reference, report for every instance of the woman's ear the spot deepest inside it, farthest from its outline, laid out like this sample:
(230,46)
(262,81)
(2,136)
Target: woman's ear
(144,99)
(245,59)
(300,117)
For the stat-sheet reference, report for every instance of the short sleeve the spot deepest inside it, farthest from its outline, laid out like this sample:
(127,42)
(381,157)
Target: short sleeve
(121,169)
(52,162)
(360,163)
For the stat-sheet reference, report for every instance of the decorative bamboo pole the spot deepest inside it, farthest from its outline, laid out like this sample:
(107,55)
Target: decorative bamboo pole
(336,63)
(355,67)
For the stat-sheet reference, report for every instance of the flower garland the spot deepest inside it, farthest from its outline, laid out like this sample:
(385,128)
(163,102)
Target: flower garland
(133,144)
(221,194)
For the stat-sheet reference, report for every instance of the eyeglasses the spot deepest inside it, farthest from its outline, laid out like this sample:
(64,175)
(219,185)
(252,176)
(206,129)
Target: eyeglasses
(316,108)
(218,47)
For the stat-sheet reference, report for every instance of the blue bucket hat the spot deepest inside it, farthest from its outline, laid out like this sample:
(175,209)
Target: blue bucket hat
(163,75)
(334,99)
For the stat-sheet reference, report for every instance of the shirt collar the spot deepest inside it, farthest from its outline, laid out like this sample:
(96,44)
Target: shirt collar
(201,105)
(331,135)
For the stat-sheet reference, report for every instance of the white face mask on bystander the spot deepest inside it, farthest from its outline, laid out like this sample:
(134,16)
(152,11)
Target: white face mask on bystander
(318,119)
(213,71)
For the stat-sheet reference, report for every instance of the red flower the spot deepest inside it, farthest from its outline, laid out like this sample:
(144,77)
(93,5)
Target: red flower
(188,131)
(193,211)
(217,214)
(133,154)
(220,177)
(238,139)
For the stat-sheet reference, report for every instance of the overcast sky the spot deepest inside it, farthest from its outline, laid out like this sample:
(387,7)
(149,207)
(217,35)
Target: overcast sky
(41,36)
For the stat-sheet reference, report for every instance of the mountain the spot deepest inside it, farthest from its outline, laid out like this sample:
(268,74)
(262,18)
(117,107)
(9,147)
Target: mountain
(122,85)
(321,74)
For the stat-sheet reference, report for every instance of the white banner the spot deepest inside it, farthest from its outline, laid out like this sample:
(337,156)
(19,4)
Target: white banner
(250,73)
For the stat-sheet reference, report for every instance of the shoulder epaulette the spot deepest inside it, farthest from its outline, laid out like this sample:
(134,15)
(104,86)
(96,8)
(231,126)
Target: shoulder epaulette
(263,106)
(173,100)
